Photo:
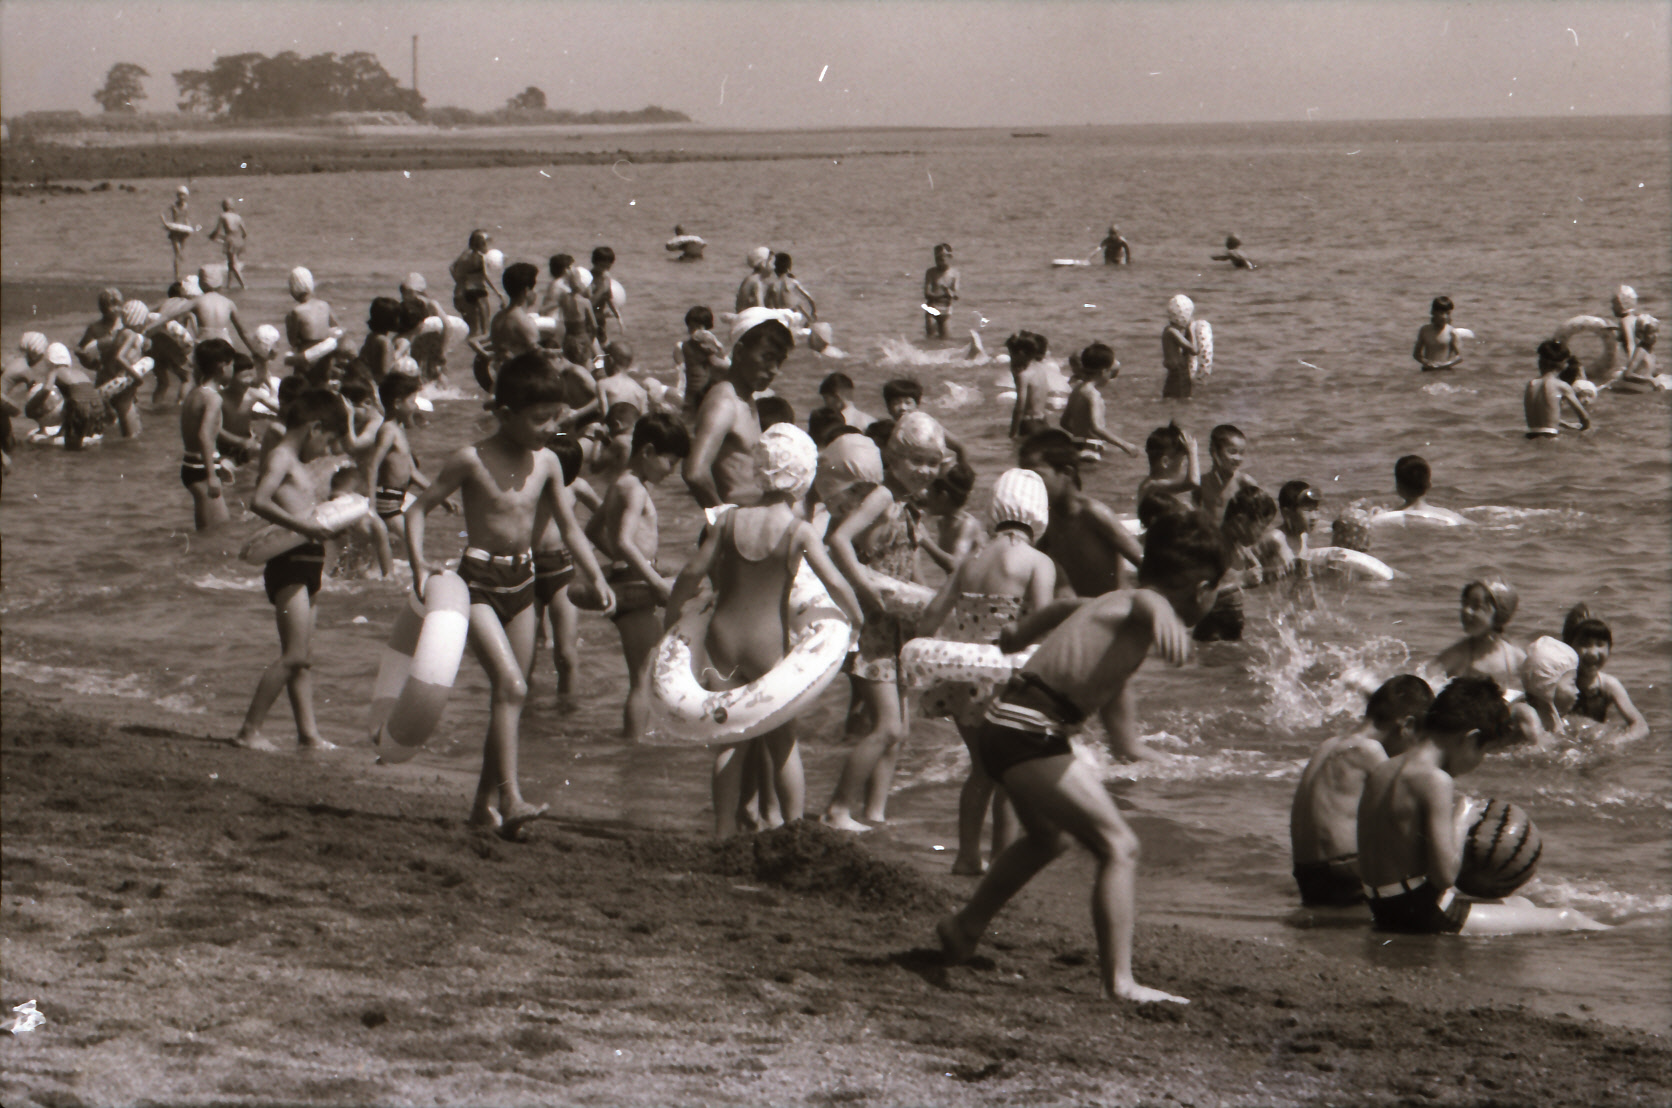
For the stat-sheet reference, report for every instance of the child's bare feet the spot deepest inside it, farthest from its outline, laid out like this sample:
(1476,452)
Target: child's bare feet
(314,742)
(252,739)
(514,821)
(957,946)
(842,821)
(1143,994)
(483,819)
(967,867)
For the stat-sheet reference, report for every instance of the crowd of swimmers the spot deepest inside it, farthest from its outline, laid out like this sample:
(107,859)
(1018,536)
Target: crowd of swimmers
(559,517)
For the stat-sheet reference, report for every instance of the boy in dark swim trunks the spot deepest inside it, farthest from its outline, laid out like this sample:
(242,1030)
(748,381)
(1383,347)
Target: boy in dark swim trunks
(1410,831)
(506,480)
(625,528)
(1082,668)
(1323,821)
(392,466)
(200,432)
(554,566)
(285,493)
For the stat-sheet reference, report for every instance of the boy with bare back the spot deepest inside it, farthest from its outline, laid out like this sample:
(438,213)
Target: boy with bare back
(233,236)
(625,529)
(1085,537)
(721,467)
(392,467)
(200,431)
(506,479)
(1091,649)
(310,322)
(1083,415)
(285,493)
(1545,394)
(512,331)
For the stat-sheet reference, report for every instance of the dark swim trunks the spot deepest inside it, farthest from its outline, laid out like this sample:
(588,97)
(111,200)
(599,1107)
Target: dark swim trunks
(1030,426)
(1224,620)
(1415,907)
(388,502)
(632,592)
(192,470)
(1334,883)
(504,582)
(1027,720)
(553,569)
(304,566)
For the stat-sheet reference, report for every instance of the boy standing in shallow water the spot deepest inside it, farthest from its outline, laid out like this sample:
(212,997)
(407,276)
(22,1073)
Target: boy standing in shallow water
(1545,394)
(940,289)
(506,479)
(1226,448)
(285,493)
(1082,668)
(200,430)
(1436,346)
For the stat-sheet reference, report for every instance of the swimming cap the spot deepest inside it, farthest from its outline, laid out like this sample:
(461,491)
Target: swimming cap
(1019,497)
(918,437)
(110,299)
(1179,310)
(494,261)
(1626,297)
(211,276)
(758,256)
(33,343)
(750,318)
(415,283)
(1504,598)
(1549,663)
(786,459)
(1352,530)
(189,285)
(301,282)
(183,191)
(57,354)
(135,313)
(268,336)
(849,460)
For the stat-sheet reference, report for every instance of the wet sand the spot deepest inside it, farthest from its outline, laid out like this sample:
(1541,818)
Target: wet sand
(201,924)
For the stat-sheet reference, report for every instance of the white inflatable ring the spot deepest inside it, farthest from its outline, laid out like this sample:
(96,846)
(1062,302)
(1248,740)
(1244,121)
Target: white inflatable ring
(432,665)
(819,637)
(618,295)
(904,599)
(926,662)
(1606,331)
(1201,363)
(333,515)
(1350,562)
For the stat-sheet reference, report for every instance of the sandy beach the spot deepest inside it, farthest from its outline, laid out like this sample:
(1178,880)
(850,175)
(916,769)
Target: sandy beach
(203,925)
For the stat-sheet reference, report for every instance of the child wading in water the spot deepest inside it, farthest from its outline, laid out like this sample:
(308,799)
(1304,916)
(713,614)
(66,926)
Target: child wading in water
(285,494)
(1091,649)
(752,556)
(880,536)
(995,587)
(506,479)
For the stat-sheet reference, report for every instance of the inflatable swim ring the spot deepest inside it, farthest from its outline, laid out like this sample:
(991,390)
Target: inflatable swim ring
(54,436)
(394,664)
(927,662)
(690,247)
(429,650)
(333,515)
(121,383)
(904,599)
(1063,263)
(1501,849)
(1201,364)
(618,295)
(181,228)
(1604,330)
(819,637)
(1430,517)
(1352,563)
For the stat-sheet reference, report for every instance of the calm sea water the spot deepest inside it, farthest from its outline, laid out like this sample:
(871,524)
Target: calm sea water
(109,592)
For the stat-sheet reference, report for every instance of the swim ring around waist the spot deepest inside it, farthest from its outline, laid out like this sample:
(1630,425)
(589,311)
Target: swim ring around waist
(926,662)
(819,637)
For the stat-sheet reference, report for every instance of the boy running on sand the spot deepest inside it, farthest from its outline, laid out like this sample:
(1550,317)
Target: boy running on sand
(200,431)
(625,528)
(1083,416)
(1545,394)
(1091,649)
(1409,834)
(505,479)
(940,289)
(233,236)
(1085,537)
(1436,346)
(1323,820)
(285,494)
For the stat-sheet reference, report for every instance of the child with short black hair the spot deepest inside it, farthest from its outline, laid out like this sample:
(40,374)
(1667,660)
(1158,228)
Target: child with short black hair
(1175,468)
(505,480)
(1486,606)
(1032,383)
(940,289)
(1226,448)
(1298,504)
(392,468)
(1233,254)
(836,393)
(902,395)
(1083,415)
(1256,555)
(1436,346)
(285,494)
(383,322)
(774,409)
(703,357)
(951,534)
(200,429)
(823,424)
(1090,650)
(1411,480)
(1545,394)
(554,566)
(602,293)
(1593,640)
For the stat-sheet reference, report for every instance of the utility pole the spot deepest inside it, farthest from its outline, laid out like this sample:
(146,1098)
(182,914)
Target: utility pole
(414,63)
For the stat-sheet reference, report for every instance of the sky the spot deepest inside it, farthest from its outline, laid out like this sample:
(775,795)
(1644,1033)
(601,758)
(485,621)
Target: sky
(836,63)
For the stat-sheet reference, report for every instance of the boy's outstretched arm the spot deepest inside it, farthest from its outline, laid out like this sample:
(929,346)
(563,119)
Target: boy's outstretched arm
(1038,623)
(713,424)
(1636,726)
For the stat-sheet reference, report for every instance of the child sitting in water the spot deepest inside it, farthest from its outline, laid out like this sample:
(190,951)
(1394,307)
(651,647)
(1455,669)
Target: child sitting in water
(285,494)
(1178,348)
(752,556)
(1598,691)
(1033,384)
(1487,606)
(1545,394)
(1091,649)
(880,536)
(1640,371)
(1175,470)
(1436,346)
(1083,416)
(1005,581)
(1323,820)
(951,533)
(626,529)
(1233,254)
(1412,479)
(1409,838)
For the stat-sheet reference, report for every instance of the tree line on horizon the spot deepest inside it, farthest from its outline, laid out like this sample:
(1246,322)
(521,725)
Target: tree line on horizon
(252,87)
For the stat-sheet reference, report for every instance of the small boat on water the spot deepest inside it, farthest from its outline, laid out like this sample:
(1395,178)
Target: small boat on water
(1029,134)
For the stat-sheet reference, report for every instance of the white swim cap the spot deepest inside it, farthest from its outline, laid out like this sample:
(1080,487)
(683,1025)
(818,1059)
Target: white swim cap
(1626,297)
(57,354)
(33,343)
(1019,497)
(268,336)
(1179,310)
(301,282)
(135,314)
(750,318)
(457,330)
(758,256)
(786,459)
(1549,663)
(918,437)
(415,283)
(212,275)
(849,460)
(183,191)
(432,325)
(189,285)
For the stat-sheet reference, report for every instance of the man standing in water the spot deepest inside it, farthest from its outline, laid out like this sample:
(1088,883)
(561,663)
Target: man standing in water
(720,468)
(231,233)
